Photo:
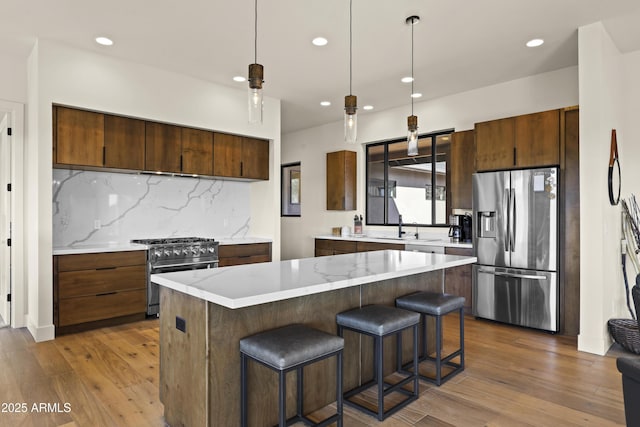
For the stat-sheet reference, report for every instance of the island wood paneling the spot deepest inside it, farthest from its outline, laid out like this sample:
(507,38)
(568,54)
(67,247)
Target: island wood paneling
(225,327)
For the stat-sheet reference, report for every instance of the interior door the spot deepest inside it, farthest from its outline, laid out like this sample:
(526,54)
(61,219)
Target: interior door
(5,220)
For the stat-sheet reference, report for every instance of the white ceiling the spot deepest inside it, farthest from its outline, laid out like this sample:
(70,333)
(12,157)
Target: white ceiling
(459,44)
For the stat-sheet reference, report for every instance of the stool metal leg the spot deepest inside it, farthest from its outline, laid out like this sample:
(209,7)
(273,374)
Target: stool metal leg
(243,390)
(299,374)
(399,351)
(339,403)
(462,337)
(416,382)
(379,369)
(438,349)
(282,397)
(423,347)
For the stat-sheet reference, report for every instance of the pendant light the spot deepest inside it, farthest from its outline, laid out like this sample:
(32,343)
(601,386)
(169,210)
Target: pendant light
(350,101)
(412,121)
(256,78)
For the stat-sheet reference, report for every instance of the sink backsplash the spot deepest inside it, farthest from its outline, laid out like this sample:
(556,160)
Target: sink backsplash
(103,207)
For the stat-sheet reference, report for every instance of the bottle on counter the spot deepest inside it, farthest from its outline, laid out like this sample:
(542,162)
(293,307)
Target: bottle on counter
(357,225)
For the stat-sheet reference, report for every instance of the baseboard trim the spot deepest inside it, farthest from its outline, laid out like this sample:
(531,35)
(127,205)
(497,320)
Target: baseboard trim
(595,345)
(42,333)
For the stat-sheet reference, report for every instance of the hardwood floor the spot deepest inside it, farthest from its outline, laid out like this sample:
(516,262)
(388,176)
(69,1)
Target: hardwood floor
(513,377)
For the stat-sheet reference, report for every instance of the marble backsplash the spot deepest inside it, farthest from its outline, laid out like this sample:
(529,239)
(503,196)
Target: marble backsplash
(101,207)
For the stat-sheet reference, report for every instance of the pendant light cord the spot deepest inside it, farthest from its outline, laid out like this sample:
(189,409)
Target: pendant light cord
(412,24)
(350,45)
(255,38)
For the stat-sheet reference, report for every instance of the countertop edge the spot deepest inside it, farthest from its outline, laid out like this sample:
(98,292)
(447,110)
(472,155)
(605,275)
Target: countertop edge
(242,302)
(419,242)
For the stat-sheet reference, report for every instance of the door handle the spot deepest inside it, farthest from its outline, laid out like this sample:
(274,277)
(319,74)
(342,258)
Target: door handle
(516,275)
(506,210)
(512,221)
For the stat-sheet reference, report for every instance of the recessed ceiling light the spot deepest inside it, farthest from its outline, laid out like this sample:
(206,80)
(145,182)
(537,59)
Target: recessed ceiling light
(368,107)
(319,41)
(406,79)
(238,79)
(325,103)
(416,95)
(535,42)
(104,41)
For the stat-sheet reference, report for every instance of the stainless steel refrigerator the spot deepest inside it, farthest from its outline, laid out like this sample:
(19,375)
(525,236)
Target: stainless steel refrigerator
(515,235)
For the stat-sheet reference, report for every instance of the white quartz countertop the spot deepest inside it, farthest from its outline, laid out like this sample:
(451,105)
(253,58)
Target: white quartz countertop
(253,284)
(434,241)
(116,247)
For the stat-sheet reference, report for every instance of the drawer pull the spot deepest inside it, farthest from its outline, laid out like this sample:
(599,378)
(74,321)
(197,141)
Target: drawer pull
(106,293)
(106,268)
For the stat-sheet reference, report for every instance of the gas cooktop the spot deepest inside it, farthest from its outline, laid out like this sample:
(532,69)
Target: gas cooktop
(173,240)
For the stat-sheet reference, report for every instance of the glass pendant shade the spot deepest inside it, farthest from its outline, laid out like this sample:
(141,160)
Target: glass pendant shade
(412,136)
(350,119)
(255,93)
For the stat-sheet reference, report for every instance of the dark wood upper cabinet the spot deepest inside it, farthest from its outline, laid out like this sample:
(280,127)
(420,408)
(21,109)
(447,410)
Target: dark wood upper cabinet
(341,180)
(240,157)
(124,141)
(255,158)
(529,140)
(197,151)
(227,155)
(538,139)
(163,147)
(79,137)
(495,144)
(462,167)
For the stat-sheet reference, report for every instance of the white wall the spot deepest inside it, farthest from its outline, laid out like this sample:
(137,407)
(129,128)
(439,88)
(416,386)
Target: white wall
(13,79)
(64,75)
(536,93)
(601,110)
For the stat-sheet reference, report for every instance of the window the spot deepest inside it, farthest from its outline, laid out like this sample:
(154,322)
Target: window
(290,196)
(412,186)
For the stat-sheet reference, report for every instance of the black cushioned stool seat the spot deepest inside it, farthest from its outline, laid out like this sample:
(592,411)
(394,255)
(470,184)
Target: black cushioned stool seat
(283,350)
(379,321)
(437,305)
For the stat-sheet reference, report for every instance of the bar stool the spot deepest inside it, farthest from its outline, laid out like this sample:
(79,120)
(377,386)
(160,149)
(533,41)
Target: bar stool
(283,350)
(380,321)
(437,305)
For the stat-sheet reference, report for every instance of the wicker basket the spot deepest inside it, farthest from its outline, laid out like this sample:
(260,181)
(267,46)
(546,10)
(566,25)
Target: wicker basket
(626,333)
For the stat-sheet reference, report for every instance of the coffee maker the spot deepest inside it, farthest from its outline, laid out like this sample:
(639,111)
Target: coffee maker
(460,228)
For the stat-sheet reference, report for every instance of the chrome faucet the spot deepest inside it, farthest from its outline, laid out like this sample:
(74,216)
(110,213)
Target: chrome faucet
(400,232)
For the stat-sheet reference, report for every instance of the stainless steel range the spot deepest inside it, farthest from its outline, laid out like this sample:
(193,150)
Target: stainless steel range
(175,254)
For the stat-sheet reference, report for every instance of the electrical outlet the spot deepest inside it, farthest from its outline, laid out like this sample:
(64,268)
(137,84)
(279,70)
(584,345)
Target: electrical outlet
(181,324)
(96,224)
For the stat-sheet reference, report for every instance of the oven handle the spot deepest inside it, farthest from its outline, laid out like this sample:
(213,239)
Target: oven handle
(186,264)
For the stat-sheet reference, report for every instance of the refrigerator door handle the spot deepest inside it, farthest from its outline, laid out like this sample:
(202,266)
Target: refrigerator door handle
(512,221)
(515,275)
(507,219)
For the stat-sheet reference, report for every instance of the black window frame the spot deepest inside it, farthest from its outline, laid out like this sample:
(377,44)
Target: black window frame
(434,160)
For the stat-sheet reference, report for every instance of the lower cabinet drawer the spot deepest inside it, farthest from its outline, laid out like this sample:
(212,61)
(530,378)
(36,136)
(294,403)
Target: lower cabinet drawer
(91,308)
(92,282)
(240,260)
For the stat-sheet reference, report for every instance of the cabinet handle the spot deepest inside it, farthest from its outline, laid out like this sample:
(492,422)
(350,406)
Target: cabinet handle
(104,155)
(180,162)
(515,157)
(241,169)
(106,293)
(106,268)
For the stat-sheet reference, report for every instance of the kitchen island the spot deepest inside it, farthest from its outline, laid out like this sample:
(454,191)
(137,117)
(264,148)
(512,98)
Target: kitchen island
(205,313)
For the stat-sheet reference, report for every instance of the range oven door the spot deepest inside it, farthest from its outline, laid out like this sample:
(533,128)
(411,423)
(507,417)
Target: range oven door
(153,290)
(519,297)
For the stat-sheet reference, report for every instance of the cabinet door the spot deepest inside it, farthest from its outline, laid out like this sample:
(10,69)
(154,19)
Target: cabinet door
(197,151)
(227,155)
(123,142)
(538,139)
(163,147)
(341,180)
(255,158)
(495,144)
(462,167)
(79,137)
